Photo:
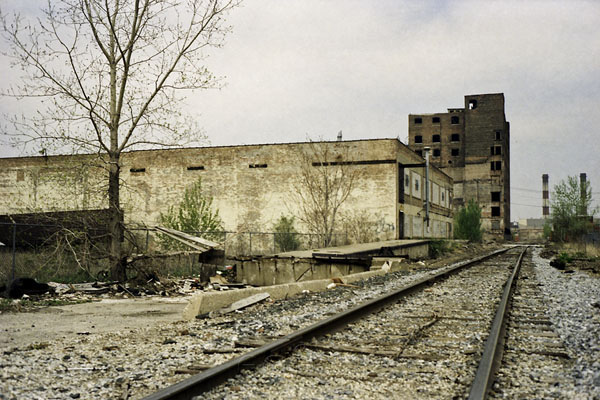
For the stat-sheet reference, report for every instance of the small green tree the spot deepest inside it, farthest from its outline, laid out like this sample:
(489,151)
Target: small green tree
(467,222)
(194,214)
(570,210)
(286,236)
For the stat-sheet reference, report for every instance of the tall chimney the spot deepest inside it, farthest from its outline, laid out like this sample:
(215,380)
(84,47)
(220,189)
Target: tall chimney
(545,197)
(583,187)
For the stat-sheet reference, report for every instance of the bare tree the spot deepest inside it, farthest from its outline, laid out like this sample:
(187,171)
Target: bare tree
(326,179)
(111,73)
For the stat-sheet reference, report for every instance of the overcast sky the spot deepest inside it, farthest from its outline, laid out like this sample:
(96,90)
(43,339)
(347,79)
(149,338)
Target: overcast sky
(307,68)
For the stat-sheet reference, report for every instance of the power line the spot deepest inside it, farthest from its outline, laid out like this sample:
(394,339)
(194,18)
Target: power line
(526,205)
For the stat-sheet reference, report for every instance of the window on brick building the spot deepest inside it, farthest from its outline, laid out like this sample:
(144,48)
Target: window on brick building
(472,104)
(495,196)
(418,139)
(455,137)
(495,211)
(418,120)
(435,120)
(454,120)
(498,135)
(436,152)
(435,138)
(496,165)
(455,152)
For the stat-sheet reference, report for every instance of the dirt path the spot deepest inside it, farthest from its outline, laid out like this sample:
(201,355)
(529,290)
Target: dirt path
(51,323)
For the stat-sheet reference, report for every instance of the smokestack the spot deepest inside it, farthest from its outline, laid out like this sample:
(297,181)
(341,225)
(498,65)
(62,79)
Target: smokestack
(545,197)
(583,187)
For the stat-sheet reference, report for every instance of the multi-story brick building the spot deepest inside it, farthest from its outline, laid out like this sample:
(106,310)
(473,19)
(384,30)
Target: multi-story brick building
(471,145)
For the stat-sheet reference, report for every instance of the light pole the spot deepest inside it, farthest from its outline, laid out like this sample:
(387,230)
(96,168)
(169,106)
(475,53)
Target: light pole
(427,149)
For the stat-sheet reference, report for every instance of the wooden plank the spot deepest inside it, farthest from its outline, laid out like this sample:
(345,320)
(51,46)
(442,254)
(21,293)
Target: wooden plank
(248,301)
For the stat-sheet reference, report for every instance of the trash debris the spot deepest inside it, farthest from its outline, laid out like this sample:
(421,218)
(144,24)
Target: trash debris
(25,286)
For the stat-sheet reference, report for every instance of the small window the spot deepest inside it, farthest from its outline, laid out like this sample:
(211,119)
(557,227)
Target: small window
(455,152)
(498,135)
(418,120)
(416,185)
(455,137)
(435,120)
(496,165)
(454,120)
(492,150)
(498,150)
(443,195)
(472,104)
(495,196)
(137,170)
(407,180)
(495,211)
(436,152)
(435,138)
(419,152)
(195,168)
(257,166)
(418,139)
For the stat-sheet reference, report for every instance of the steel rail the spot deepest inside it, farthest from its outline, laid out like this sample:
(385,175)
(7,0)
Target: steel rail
(494,346)
(200,383)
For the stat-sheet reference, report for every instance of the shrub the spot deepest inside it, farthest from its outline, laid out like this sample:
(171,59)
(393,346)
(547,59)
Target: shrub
(286,236)
(467,223)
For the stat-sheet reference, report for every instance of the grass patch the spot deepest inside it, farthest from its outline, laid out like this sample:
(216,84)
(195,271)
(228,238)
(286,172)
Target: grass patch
(439,247)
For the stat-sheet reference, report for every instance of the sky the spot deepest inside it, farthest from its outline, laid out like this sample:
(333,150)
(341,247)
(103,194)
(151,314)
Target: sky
(299,69)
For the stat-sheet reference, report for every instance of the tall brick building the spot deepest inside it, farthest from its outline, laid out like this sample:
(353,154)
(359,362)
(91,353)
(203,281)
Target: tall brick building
(471,145)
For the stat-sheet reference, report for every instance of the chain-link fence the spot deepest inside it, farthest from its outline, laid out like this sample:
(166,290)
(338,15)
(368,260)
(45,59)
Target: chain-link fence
(236,244)
(50,252)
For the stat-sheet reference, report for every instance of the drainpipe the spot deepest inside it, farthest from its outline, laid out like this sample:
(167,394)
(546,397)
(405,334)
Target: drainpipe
(427,149)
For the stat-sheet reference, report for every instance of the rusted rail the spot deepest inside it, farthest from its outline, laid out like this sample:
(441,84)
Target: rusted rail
(198,384)
(492,353)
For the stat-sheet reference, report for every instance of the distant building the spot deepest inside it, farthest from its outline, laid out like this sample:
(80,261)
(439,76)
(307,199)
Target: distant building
(251,185)
(471,145)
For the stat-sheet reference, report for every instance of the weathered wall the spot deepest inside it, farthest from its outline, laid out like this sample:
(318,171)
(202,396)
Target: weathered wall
(251,186)
(483,140)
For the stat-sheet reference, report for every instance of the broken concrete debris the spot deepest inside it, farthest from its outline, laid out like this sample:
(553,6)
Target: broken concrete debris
(248,301)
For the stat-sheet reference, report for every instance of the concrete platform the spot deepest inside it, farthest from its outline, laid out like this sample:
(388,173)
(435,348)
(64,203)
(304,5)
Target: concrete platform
(309,265)
(206,302)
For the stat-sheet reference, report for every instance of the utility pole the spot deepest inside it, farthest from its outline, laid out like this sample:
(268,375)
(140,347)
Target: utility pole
(427,149)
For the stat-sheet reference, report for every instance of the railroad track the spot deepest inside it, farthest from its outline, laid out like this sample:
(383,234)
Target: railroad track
(429,339)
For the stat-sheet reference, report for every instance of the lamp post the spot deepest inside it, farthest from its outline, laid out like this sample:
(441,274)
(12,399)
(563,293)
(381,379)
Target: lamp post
(427,149)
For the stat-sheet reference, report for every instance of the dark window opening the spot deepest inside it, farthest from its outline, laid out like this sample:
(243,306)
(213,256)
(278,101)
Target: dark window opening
(436,152)
(498,150)
(435,139)
(455,152)
(449,161)
(416,185)
(435,120)
(195,168)
(418,120)
(406,180)
(134,170)
(419,152)
(455,137)
(495,196)
(257,166)
(496,165)
(498,135)
(418,139)
(495,211)
(454,120)
(492,150)
(472,104)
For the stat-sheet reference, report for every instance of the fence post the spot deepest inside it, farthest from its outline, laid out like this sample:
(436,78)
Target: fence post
(250,243)
(14,250)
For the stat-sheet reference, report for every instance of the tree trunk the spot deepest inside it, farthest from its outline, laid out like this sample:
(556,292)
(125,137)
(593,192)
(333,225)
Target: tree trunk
(117,266)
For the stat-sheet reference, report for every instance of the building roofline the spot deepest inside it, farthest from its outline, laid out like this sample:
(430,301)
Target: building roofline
(203,147)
